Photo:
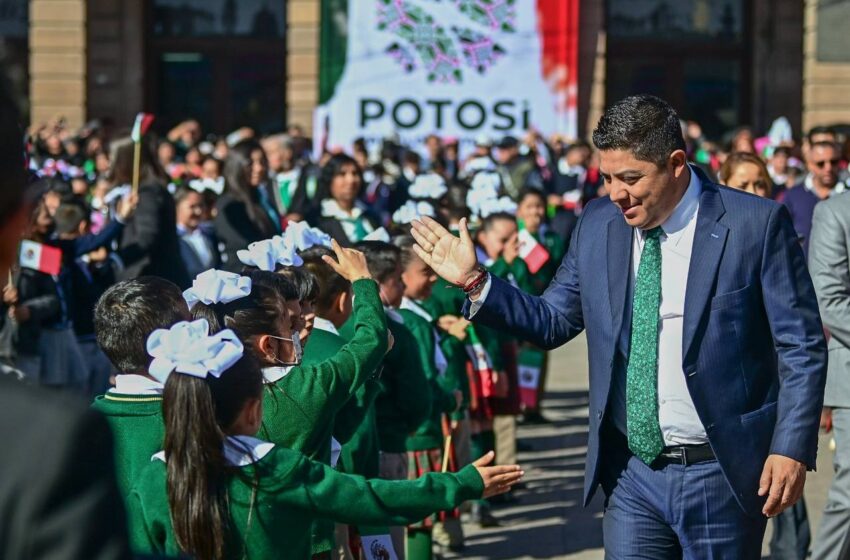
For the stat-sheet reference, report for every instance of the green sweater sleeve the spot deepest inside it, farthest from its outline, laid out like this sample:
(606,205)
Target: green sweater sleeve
(147,535)
(353,499)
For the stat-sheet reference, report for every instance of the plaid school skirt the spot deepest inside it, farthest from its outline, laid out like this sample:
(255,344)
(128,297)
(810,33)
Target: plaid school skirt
(422,463)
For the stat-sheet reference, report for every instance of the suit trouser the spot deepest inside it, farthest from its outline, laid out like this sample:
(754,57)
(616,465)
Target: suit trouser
(674,512)
(792,535)
(835,523)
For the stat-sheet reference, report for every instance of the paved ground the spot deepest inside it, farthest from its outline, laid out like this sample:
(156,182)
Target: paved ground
(548,521)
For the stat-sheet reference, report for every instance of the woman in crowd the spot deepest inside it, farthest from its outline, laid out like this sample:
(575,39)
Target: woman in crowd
(341,214)
(245,212)
(148,246)
(747,172)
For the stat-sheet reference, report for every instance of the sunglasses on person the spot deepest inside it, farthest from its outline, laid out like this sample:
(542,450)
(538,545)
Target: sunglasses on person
(832,162)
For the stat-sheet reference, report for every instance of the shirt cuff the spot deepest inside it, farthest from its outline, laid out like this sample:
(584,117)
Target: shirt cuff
(474,306)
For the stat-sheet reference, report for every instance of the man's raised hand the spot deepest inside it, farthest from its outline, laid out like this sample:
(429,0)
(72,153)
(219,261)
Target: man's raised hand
(451,257)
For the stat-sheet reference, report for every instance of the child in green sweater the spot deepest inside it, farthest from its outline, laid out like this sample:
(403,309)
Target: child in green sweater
(216,491)
(124,317)
(427,444)
(531,217)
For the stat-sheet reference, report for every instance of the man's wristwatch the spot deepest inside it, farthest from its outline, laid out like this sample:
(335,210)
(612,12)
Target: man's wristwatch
(473,287)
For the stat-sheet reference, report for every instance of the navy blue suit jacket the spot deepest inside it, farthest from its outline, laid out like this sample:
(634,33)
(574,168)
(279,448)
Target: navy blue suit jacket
(753,346)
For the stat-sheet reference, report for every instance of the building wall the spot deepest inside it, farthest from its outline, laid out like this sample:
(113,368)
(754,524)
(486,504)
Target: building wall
(826,85)
(302,80)
(591,65)
(57,43)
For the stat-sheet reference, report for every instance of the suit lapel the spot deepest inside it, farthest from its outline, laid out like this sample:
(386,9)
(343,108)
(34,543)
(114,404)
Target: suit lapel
(709,242)
(619,253)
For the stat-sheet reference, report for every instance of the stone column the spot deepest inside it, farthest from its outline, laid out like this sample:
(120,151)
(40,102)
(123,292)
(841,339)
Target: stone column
(302,62)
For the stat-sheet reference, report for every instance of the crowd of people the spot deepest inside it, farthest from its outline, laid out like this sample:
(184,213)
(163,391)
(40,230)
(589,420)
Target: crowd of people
(288,291)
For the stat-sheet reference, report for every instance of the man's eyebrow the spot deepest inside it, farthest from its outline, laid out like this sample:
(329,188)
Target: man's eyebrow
(622,172)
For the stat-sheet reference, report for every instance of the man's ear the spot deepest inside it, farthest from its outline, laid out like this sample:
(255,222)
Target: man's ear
(678,162)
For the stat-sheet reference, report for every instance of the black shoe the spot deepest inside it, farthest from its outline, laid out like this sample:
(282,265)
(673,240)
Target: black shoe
(481,515)
(535,418)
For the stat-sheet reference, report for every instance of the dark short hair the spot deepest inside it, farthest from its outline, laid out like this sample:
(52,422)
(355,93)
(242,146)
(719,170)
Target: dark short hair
(69,216)
(531,191)
(382,258)
(128,312)
(304,281)
(645,125)
(815,130)
(488,222)
(331,283)
(826,144)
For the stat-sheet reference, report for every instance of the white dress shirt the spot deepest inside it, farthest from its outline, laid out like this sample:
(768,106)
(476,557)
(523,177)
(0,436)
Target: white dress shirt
(677,415)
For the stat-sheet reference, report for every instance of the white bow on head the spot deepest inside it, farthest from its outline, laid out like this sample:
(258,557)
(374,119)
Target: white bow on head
(188,348)
(488,181)
(269,253)
(498,205)
(479,164)
(301,236)
(213,185)
(379,234)
(217,286)
(412,210)
(428,185)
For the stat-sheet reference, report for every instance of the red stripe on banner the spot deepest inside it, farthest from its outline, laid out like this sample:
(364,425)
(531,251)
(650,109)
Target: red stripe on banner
(558,27)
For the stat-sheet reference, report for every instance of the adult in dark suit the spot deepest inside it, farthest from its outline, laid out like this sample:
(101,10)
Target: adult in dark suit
(58,497)
(148,246)
(706,350)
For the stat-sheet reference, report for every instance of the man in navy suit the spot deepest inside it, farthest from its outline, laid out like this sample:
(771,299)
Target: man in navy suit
(706,350)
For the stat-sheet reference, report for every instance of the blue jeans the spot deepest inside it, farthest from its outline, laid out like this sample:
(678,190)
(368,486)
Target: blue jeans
(674,512)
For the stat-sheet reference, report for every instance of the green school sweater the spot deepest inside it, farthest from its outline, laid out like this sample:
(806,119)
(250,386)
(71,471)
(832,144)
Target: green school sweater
(292,492)
(299,410)
(407,398)
(321,346)
(355,423)
(138,428)
(429,434)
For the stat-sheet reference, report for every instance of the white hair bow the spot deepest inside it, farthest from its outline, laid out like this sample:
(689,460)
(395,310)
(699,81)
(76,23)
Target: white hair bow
(217,286)
(213,185)
(478,164)
(494,206)
(488,181)
(379,234)
(301,236)
(412,210)
(188,348)
(428,185)
(269,253)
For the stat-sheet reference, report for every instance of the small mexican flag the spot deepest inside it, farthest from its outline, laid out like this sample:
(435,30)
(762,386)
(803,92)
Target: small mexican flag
(481,363)
(530,366)
(42,258)
(141,126)
(376,543)
(532,251)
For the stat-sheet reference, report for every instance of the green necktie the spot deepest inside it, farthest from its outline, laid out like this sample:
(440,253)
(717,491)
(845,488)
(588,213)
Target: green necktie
(644,431)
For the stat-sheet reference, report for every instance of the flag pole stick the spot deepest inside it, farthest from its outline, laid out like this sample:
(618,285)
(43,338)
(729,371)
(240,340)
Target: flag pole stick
(137,156)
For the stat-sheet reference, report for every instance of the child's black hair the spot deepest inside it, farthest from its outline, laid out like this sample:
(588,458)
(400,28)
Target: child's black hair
(198,413)
(69,216)
(331,283)
(382,258)
(304,281)
(525,192)
(128,312)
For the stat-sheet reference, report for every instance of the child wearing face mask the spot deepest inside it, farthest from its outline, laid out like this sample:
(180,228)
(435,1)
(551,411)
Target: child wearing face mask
(216,491)
(302,400)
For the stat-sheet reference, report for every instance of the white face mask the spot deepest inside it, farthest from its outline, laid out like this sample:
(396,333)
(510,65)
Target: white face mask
(296,346)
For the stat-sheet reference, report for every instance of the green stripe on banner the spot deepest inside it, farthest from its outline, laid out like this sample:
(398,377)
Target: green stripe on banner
(333,47)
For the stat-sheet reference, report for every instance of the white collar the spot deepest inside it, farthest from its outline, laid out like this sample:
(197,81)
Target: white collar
(687,207)
(134,384)
(483,257)
(331,209)
(239,451)
(393,314)
(809,184)
(410,305)
(325,325)
(273,374)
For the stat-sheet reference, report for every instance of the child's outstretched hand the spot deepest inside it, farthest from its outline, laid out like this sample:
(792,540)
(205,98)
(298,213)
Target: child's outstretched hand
(350,263)
(497,479)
